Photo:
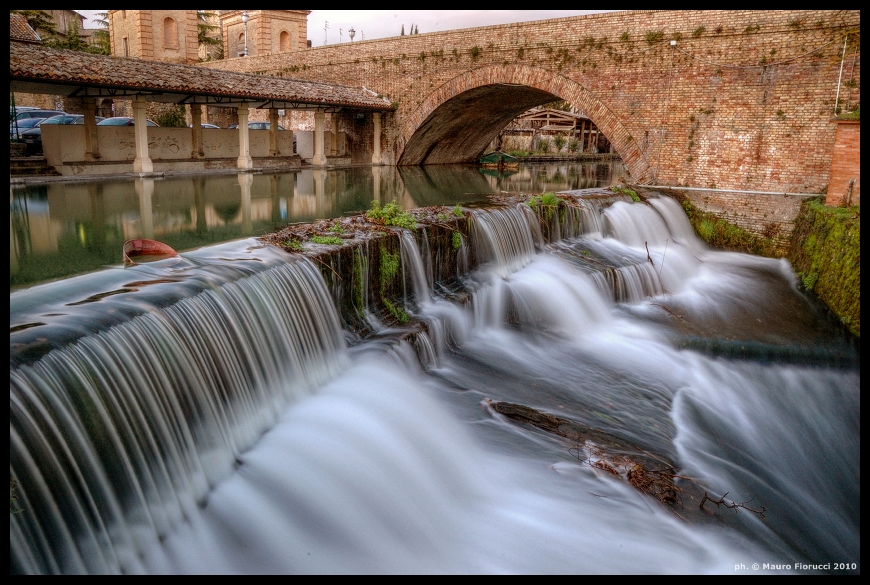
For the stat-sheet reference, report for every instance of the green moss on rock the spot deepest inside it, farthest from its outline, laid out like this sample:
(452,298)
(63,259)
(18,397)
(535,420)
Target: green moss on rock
(826,254)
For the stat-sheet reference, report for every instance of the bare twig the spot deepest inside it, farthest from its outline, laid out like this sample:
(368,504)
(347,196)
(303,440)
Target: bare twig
(671,313)
(663,259)
(322,263)
(734,506)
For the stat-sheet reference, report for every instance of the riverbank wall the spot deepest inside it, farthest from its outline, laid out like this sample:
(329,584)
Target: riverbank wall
(822,242)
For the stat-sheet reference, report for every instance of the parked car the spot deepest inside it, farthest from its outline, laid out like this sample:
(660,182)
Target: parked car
(205,125)
(32,138)
(258,126)
(123,121)
(13,110)
(16,127)
(23,115)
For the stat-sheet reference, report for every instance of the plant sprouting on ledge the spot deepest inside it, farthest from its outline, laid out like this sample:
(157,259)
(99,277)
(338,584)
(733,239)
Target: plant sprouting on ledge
(328,240)
(291,245)
(626,191)
(548,199)
(390,214)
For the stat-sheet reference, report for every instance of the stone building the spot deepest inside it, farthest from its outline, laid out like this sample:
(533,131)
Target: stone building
(172,36)
(156,35)
(267,32)
(64,21)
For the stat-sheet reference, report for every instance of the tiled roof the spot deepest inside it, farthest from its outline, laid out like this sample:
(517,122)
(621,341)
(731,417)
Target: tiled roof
(19,30)
(38,64)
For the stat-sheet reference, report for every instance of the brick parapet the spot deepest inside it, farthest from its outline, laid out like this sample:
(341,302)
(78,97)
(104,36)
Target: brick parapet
(845,185)
(742,101)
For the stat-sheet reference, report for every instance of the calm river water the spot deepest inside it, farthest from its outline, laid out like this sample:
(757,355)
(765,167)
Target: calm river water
(67,228)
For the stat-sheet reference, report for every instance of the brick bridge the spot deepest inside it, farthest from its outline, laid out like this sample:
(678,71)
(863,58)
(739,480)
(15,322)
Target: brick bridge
(727,99)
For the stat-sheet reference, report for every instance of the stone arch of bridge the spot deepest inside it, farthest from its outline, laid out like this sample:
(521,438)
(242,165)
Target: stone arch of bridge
(457,120)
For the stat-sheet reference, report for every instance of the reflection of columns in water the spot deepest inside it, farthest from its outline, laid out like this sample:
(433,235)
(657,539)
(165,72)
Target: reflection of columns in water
(245,181)
(199,203)
(376,184)
(98,214)
(276,200)
(321,201)
(145,190)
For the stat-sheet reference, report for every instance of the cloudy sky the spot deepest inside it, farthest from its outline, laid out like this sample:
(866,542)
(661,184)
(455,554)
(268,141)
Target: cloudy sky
(377,24)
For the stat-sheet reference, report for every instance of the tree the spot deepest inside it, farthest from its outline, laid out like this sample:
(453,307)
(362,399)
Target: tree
(204,34)
(101,35)
(573,145)
(173,117)
(403,30)
(73,40)
(39,20)
(559,142)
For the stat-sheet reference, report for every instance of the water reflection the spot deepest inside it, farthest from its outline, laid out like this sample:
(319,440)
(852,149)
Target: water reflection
(63,229)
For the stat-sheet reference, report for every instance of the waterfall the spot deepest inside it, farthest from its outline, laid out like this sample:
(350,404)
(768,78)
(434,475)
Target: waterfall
(212,416)
(502,237)
(134,425)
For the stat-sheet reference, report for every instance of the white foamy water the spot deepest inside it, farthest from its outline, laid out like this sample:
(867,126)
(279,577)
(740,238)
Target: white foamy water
(234,431)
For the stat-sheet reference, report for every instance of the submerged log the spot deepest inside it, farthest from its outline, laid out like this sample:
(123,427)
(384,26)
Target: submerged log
(599,450)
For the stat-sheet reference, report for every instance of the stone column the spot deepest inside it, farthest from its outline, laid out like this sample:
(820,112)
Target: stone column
(273,132)
(244,160)
(142,163)
(333,136)
(92,145)
(319,159)
(376,151)
(196,149)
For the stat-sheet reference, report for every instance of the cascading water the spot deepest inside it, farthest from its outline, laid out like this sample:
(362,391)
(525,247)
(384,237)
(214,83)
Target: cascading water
(234,432)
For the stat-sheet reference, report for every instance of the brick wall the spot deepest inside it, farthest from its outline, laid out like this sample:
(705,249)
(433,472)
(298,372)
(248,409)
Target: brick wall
(769,215)
(845,185)
(743,100)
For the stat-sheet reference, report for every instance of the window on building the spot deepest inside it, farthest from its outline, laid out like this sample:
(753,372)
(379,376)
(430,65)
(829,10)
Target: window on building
(126,48)
(285,41)
(170,33)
